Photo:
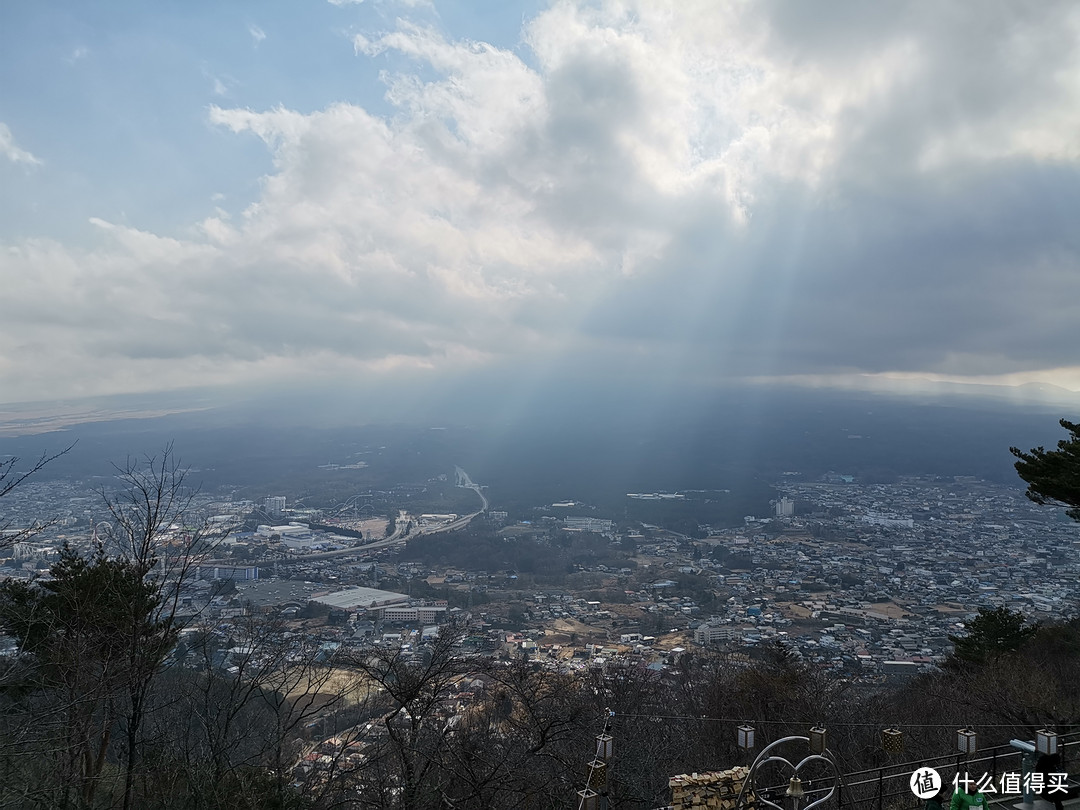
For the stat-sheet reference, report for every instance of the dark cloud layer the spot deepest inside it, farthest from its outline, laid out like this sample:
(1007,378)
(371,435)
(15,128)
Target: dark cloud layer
(709,190)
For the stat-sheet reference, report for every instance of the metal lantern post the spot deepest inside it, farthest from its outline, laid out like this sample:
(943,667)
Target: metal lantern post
(1046,742)
(746,737)
(594,796)
(603,747)
(965,741)
(597,775)
(598,769)
(892,741)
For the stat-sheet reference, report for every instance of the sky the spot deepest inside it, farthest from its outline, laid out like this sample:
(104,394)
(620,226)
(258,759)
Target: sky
(412,193)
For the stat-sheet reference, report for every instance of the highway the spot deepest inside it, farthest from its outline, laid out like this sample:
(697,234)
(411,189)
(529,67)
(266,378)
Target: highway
(397,537)
(465,482)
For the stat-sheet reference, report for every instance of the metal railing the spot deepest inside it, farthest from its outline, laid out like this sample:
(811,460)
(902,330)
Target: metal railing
(888,787)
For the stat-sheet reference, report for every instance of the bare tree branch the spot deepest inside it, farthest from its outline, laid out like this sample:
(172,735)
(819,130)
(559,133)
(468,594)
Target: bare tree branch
(10,478)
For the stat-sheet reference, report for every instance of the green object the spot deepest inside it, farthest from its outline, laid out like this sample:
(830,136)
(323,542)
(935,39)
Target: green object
(993,632)
(1053,476)
(962,800)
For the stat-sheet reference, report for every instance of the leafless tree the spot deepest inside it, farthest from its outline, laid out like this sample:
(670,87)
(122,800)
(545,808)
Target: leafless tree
(414,685)
(10,478)
(228,724)
(74,634)
(521,743)
(153,525)
(96,635)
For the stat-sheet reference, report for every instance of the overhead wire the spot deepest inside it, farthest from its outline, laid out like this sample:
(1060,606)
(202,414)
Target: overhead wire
(845,724)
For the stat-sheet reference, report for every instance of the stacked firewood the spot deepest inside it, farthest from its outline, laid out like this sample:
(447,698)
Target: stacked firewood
(714,789)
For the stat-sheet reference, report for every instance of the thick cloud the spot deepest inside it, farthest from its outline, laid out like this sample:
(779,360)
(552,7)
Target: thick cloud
(706,189)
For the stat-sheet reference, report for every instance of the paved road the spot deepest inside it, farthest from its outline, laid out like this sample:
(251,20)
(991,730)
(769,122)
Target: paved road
(397,536)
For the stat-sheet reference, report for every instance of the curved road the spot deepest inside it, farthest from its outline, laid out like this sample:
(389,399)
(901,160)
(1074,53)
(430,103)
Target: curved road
(463,481)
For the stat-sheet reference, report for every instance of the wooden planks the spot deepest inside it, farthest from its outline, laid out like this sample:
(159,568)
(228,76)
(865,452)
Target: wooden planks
(714,789)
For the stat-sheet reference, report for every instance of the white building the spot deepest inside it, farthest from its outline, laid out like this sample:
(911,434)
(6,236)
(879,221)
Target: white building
(425,614)
(359,598)
(293,535)
(785,507)
(889,521)
(713,634)
(242,572)
(588,524)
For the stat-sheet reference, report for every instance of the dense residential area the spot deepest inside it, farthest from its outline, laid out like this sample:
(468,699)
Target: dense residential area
(868,580)
(348,640)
